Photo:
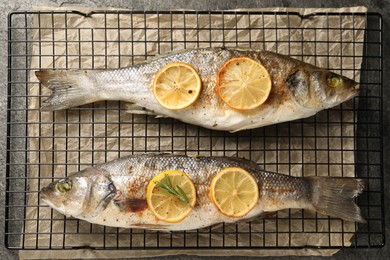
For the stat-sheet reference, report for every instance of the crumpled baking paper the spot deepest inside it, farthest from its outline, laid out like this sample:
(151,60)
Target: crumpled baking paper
(85,135)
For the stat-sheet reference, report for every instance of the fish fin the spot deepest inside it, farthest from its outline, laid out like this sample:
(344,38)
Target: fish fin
(102,205)
(240,162)
(132,108)
(136,109)
(334,196)
(246,127)
(69,88)
(265,214)
(240,129)
(255,125)
(155,227)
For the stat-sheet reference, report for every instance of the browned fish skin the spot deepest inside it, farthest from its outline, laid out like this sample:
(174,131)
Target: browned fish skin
(298,89)
(118,188)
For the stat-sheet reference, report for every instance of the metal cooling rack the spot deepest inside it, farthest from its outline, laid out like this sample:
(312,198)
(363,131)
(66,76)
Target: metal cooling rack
(367,148)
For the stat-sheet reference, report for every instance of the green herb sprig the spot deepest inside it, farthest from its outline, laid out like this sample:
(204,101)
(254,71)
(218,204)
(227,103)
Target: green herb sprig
(167,185)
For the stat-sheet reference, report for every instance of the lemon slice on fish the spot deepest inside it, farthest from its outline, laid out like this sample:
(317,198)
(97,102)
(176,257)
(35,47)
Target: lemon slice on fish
(243,83)
(177,86)
(171,196)
(234,192)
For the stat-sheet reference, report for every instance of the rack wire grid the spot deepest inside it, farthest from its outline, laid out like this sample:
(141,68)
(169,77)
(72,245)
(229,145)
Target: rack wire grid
(37,154)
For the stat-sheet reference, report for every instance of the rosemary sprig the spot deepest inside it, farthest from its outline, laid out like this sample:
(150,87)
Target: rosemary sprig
(166,185)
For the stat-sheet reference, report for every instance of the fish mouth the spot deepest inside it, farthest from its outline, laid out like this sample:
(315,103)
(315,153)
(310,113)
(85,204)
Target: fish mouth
(355,86)
(46,194)
(47,200)
(355,89)
(351,92)
(43,193)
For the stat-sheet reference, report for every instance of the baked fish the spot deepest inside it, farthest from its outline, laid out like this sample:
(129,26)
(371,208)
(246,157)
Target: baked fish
(298,90)
(114,193)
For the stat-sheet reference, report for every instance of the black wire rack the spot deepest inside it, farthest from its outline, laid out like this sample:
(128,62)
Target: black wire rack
(38,154)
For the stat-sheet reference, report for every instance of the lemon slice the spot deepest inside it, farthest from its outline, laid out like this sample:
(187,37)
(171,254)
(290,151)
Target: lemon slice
(168,207)
(234,192)
(177,86)
(243,83)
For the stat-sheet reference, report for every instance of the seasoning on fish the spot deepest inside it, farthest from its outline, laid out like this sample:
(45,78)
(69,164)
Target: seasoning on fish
(298,89)
(115,193)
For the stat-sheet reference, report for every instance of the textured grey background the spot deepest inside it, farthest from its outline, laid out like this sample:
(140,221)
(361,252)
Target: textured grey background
(381,6)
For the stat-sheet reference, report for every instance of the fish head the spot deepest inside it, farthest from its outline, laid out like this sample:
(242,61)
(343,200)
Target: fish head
(320,89)
(80,195)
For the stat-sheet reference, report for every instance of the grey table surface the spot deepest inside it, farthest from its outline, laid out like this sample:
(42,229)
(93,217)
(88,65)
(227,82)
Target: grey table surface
(381,6)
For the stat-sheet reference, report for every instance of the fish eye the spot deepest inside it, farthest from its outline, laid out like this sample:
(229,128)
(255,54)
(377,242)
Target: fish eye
(64,185)
(333,80)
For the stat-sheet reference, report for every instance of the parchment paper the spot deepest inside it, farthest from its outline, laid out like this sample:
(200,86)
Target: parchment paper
(100,48)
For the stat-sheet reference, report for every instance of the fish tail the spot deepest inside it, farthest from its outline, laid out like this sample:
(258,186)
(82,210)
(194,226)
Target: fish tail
(334,196)
(69,88)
